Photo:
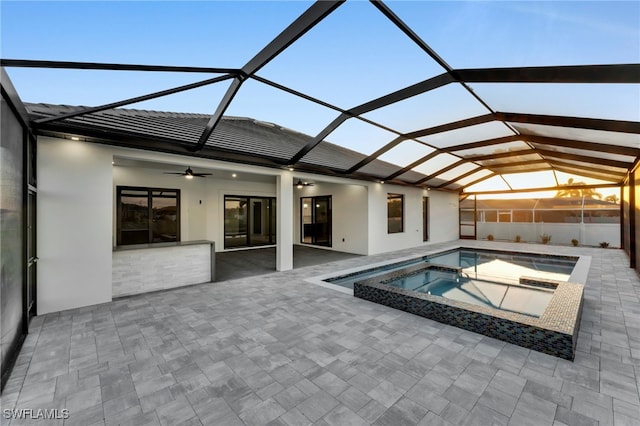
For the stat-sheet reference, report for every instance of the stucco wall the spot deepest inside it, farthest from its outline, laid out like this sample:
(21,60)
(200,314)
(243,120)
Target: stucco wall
(443,218)
(349,215)
(77,217)
(74,224)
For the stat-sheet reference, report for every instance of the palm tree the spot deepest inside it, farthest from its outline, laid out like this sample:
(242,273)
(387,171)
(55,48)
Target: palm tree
(577,192)
(613,198)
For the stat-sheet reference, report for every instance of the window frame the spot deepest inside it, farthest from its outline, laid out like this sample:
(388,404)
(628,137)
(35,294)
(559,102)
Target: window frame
(149,191)
(391,197)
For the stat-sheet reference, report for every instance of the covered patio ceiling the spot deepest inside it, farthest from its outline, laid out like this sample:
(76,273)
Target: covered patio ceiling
(467,129)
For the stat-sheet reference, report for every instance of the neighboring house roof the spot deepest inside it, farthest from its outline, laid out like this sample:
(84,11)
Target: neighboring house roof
(244,136)
(539,204)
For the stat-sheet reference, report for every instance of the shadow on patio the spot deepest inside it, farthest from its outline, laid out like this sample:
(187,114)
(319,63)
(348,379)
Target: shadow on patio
(247,263)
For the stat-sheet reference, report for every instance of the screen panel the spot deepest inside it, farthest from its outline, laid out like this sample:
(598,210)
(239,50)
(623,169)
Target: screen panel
(508,34)
(541,179)
(614,101)
(360,57)
(495,183)
(476,133)
(586,135)
(443,105)
(493,149)
(406,152)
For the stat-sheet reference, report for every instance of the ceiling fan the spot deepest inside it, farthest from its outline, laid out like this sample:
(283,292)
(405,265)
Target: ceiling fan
(189,174)
(300,184)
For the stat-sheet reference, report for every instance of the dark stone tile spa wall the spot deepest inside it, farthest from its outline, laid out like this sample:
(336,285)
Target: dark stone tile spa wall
(554,333)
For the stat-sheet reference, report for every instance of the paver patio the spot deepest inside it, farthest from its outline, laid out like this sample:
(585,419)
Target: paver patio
(275,349)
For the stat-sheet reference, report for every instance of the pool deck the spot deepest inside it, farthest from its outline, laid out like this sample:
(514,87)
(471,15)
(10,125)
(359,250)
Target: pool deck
(276,349)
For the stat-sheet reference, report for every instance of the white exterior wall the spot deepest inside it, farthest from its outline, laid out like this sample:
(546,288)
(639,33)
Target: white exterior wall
(444,222)
(443,218)
(74,224)
(349,215)
(77,217)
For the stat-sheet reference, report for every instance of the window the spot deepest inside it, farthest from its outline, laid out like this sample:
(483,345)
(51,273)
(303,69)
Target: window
(147,215)
(395,213)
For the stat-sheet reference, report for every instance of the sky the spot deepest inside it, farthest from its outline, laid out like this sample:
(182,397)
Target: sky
(353,56)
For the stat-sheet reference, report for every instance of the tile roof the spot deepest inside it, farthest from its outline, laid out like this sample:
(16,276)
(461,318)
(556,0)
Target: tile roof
(241,135)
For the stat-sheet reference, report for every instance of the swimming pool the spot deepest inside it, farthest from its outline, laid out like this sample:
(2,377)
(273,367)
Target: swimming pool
(521,298)
(500,266)
(452,284)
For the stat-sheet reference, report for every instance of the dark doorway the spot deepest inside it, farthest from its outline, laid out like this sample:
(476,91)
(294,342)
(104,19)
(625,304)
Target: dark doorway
(425,218)
(315,218)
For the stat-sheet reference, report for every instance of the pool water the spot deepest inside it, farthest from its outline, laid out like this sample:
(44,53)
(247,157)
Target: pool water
(479,264)
(527,300)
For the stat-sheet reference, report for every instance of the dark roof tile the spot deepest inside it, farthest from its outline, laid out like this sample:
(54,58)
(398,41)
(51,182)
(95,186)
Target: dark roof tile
(236,134)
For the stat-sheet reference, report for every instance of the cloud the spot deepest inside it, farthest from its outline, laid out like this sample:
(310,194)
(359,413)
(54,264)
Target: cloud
(581,16)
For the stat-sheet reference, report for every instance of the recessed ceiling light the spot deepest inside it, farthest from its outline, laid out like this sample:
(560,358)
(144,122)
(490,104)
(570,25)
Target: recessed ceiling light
(75,138)
(290,169)
(381,181)
(234,175)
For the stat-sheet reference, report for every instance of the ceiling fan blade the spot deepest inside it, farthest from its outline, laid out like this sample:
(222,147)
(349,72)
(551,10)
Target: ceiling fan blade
(201,174)
(173,173)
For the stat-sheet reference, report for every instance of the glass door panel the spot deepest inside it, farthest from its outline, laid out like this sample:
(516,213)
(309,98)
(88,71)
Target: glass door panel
(272,221)
(322,215)
(259,226)
(235,222)
(306,217)
(249,221)
(315,218)
(425,218)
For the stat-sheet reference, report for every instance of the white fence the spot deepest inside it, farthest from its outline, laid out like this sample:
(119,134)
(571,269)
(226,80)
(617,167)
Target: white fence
(589,234)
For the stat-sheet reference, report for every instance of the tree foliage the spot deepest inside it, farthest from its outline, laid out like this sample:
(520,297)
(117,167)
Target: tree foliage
(572,192)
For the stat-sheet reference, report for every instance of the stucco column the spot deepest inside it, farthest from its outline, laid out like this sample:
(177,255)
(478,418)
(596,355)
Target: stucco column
(284,222)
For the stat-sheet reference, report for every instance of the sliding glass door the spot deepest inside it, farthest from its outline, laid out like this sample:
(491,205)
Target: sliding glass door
(249,221)
(315,220)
